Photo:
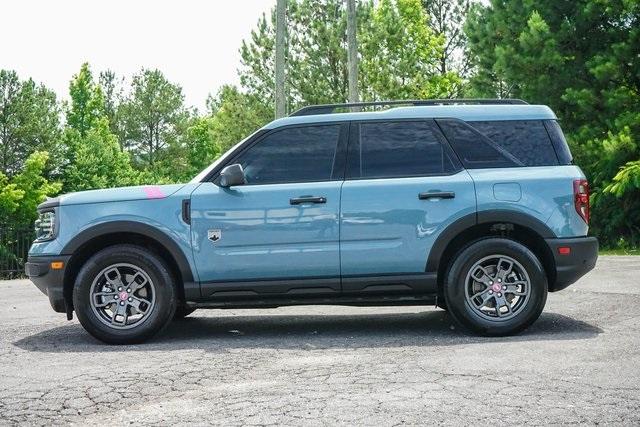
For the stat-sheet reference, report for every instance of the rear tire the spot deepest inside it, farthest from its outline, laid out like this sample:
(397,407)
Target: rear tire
(124,294)
(495,287)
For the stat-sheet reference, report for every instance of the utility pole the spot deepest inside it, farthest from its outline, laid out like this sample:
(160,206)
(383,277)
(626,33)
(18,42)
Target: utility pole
(281,24)
(352,48)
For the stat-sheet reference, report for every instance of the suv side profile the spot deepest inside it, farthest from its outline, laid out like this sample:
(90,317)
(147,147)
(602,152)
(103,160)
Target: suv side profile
(472,205)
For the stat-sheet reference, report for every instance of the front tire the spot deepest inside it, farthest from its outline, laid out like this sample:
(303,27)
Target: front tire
(124,294)
(495,287)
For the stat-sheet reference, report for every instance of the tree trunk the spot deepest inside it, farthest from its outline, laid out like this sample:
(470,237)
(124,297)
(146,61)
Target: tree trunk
(281,17)
(352,45)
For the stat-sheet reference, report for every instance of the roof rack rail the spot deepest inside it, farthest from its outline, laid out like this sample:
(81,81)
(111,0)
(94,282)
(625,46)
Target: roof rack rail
(330,108)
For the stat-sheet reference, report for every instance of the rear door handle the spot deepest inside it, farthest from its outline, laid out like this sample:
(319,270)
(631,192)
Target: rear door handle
(307,199)
(437,195)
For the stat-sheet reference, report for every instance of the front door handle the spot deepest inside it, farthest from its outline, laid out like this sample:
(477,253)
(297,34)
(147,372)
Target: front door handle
(307,199)
(437,195)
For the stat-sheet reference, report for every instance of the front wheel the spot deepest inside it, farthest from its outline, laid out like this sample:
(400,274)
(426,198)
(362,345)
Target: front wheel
(124,294)
(496,287)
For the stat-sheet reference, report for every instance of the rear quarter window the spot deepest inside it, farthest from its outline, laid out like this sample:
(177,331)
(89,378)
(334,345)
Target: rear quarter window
(527,140)
(506,143)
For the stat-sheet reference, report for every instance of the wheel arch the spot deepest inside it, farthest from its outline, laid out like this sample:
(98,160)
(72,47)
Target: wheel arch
(517,226)
(100,236)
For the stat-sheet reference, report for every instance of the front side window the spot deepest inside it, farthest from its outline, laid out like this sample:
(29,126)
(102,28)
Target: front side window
(298,154)
(401,149)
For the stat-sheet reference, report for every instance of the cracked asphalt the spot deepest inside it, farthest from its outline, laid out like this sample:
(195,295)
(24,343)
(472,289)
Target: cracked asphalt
(579,363)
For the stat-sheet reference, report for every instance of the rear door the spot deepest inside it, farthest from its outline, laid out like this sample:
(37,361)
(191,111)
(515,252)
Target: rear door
(404,186)
(279,233)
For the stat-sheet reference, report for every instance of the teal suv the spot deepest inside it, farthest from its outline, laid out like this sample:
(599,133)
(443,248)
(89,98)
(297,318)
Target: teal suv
(472,205)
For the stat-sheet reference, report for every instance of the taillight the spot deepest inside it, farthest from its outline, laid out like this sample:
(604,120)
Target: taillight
(581,198)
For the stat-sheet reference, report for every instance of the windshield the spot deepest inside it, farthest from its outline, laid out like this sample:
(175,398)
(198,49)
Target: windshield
(202,175)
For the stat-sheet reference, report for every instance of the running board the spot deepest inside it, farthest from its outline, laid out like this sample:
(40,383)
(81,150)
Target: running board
(348,300)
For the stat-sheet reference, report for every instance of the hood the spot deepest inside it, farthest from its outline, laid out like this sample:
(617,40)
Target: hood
(120,194)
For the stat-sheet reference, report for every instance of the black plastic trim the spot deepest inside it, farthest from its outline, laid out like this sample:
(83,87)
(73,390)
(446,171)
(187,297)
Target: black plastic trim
(445,237)
(50,282)
(517,218)
(133,227)
(279,286)
(186,211)
(482,217)
(571,267)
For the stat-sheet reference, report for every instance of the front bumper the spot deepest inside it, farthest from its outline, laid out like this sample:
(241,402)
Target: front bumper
(571,265)
(48,280)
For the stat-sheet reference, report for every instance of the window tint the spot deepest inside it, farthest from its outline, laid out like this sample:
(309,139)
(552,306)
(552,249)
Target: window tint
(396,149)
(474,149)
(297,154)
(559,143)
(527,140)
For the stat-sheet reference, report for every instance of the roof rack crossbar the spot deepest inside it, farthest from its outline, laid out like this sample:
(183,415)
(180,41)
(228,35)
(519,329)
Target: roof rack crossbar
(330,108)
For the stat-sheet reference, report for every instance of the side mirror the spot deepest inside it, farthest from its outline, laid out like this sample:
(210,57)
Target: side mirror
(232,175)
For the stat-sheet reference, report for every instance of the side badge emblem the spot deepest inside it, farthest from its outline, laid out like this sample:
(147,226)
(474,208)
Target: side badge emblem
(214,235)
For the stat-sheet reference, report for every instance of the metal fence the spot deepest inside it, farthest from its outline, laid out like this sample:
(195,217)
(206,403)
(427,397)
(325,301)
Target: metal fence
(14,246)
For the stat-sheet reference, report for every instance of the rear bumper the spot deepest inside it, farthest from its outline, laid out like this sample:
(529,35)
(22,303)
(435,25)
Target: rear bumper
(580,259)
(49,281)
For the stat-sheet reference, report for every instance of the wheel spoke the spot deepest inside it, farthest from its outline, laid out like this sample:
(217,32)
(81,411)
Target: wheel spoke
(114,278)
(504,267)
(483,277)
(138,302)
(513,289)
(486,298)
(138,281)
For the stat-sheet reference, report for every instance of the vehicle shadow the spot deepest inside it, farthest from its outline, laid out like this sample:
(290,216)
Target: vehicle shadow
(218,334)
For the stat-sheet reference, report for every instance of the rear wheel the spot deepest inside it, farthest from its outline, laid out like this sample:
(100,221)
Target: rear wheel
(124,294)
(496,287)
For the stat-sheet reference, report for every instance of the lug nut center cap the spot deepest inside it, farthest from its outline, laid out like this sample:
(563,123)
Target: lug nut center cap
(123,295)
(496,287)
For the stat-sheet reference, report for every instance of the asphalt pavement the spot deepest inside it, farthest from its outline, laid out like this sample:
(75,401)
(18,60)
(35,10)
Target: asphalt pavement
(579,363)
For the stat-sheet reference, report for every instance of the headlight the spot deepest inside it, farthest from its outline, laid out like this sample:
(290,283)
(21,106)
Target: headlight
(45,226)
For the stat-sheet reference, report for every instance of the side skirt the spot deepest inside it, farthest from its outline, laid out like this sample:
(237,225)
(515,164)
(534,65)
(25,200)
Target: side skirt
(379,290)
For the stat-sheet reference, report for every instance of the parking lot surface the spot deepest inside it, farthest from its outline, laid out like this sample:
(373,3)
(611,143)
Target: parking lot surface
(579,363)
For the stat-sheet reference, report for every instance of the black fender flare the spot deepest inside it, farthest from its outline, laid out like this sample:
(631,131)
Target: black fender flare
(133,227)
(482,217)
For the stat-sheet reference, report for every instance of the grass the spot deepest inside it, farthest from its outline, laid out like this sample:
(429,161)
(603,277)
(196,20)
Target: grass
(635,251)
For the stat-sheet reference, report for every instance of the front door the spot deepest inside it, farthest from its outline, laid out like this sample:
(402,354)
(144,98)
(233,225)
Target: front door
(404,185)
(279,233)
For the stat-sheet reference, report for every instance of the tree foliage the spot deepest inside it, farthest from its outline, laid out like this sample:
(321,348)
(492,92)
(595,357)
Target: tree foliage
(20,195)
(153,116)
(29,121)
(399,53)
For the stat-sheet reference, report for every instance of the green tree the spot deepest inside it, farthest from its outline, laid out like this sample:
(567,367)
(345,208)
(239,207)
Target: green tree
(87,101)
(20,195)
(29,121)
(236,115)
(154,116)
(446,19)
(581,58)
(98,161)
(400,54)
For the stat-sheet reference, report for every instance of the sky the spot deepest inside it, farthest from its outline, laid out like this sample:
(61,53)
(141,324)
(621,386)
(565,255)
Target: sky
(194,43)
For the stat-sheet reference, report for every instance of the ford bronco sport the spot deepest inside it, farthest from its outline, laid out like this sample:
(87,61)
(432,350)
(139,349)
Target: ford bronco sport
(472,205)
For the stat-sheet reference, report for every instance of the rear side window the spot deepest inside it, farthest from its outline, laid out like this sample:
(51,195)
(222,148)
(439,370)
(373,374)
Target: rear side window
(399,149)
(527,140)
(558,141)
(300,154)
(475,150)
